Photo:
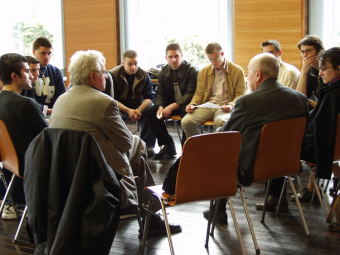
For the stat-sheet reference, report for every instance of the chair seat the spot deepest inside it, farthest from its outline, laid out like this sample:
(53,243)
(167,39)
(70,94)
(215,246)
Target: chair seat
(160,192)
(175,117)
(208,123)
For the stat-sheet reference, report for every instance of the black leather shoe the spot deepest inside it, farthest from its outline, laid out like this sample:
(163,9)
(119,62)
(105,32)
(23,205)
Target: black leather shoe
(157,226)
(272,204)
(305,196)
(168,150)
(222,217)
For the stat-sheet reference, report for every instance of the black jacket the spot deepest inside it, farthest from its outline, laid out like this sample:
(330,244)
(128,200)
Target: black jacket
(187,82)
(319,141)
(72,195)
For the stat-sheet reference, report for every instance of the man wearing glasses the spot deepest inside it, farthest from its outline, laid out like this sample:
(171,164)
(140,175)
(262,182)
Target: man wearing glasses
(84,107)
(309,82)
(220,83)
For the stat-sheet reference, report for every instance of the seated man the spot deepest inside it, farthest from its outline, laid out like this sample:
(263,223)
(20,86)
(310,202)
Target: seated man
(289,74)
(133,93)
(22,117)
(268,102)
(84,107)
(50,84)
(176,86)
(310,82)
(34,70)
(220,83)
(319,141)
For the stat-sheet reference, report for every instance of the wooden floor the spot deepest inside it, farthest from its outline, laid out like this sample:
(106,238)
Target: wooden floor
(281,234)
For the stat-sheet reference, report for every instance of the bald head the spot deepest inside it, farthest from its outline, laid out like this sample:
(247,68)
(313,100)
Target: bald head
(262,67)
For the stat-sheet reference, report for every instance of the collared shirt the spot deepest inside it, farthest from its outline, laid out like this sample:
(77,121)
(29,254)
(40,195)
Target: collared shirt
(219,90)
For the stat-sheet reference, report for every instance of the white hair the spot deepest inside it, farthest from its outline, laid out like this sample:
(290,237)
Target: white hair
(267,63)
(82,63)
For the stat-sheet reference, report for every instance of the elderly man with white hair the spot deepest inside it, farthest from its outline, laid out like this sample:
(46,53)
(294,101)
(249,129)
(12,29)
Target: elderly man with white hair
(84,107)
(269,101)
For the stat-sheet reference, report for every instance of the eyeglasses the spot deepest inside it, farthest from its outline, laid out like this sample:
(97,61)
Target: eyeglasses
(322,68)
(214,60)
(306,51)
(104,73)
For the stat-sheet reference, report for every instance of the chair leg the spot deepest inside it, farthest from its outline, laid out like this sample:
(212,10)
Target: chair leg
(7,194)
(179,135)
(209,222)
(326,186)
(299,206)
(6,187)
(236,226)
(146,227)
(281,195)
(316,189)
(22,222)
(249,222)
(265,200)
(139,220)
(215,209)
(137,125)
(334,205)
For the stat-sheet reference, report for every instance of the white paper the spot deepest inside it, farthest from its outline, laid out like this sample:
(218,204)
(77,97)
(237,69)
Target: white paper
(160,116)
(209,105)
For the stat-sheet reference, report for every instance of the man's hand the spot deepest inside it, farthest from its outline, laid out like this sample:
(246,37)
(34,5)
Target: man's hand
(190,108)
(160,111)
(227,108)
(139,114)
(307,62)
(167,112)
(133,114)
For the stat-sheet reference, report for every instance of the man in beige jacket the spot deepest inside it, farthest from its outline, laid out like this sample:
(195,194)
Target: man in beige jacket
(84,107)
(220,83)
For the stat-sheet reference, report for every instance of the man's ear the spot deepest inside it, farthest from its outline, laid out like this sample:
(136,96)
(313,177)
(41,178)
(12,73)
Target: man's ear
(258,75)
(14,76)
(33,51)
(280,52)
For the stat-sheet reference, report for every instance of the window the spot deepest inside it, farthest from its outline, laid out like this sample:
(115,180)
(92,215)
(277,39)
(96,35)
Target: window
(147,26)
(323,20)
(25,20)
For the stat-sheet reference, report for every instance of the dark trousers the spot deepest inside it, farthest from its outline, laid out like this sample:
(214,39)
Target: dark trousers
(276,187)
(17,190)
(146,133)
(158,126)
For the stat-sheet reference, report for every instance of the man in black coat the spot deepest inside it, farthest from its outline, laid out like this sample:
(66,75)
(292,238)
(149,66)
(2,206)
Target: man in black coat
(176,86)
(269,101)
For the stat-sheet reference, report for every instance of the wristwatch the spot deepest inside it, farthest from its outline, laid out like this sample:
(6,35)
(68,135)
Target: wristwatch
(141,110)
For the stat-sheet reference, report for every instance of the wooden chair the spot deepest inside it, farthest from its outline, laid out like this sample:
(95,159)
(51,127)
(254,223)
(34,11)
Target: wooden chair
(10,161)
(207,171)
(315,181)
(278,155)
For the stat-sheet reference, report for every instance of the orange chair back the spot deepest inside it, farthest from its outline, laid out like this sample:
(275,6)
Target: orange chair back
(337,142)
(208,167)
(279,149)
(8,154)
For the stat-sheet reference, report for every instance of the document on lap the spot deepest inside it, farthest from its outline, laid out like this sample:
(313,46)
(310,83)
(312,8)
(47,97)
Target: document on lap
(208,105)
